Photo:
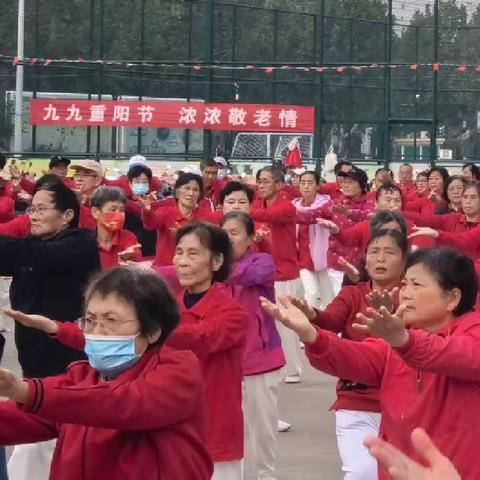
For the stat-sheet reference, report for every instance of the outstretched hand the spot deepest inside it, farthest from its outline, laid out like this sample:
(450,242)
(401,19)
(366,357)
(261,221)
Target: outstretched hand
(303,305)
(424,232)
(332,227)
(291,316)
(350,270)
(400,467)
(33,321)
(383,298)
(383,324)
(129,252)
(12,386)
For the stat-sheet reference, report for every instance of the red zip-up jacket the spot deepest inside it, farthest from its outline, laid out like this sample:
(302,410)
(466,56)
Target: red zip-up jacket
(279,217)
(338,317)
(146,424)
(167,221)
(215,328)
(433,382)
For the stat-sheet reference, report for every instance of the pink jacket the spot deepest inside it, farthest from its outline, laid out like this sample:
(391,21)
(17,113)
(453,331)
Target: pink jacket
(253,278)
(318,236)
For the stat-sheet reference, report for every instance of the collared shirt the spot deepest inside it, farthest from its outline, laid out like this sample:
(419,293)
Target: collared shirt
(121,241)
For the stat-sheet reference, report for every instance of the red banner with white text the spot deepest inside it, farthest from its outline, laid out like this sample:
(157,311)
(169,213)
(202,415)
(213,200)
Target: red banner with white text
(155,114)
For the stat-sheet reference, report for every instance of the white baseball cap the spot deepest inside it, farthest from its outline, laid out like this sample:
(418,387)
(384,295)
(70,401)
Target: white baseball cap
(137,160)
(221,161)
(191,169)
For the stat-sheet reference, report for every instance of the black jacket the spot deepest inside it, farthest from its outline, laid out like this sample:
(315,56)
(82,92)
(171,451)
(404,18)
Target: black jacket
(49,278)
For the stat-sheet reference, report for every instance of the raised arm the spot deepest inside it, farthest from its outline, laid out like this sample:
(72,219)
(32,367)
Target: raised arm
(362,362)
(281,212)
(455,356)
(158,399)
(439,222)
(259,271)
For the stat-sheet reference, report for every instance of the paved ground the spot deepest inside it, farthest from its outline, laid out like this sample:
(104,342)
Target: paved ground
(308,451)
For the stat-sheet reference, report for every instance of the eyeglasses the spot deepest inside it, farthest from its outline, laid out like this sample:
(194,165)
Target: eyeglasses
(39,210)
(88,324)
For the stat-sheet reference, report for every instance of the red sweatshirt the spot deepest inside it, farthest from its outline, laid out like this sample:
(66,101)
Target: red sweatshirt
(148,423)
(424,205)
(167,221)
(467,242)
(450,222)
(19,227)
(215,329)
(359,236)
(338,317)
(433,383)
(279,217)
(7,209)
(331,189)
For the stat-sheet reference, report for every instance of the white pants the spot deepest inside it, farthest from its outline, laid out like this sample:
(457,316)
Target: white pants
(317,288)
(4,301)
(336,280)
(227,470)
(31,461)
(290,341)
(260,413)
(352,428)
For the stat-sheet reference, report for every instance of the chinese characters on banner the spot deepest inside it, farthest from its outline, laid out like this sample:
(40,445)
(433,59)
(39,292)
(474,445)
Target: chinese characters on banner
(209,116)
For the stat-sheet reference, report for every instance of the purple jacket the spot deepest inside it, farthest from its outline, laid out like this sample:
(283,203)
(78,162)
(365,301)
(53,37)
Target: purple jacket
(252,279)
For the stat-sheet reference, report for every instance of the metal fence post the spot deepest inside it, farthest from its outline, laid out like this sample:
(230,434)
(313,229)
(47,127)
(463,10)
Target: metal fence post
(209,47)
(433,133)
(387,84)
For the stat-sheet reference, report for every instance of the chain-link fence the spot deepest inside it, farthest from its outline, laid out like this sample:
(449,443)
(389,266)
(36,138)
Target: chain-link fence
(408,111)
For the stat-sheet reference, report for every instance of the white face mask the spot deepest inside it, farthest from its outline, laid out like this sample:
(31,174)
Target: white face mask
(222,173)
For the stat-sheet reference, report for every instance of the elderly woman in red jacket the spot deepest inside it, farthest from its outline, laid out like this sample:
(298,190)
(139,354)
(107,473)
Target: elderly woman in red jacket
(428,374)
(134,410)
(213,325)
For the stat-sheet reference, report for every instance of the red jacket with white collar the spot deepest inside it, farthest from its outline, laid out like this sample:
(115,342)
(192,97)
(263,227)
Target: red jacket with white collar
(279,218)
(433,382)
(215,329)
(148,423)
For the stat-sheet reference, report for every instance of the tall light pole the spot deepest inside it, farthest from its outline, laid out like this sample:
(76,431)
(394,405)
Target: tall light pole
(17,145)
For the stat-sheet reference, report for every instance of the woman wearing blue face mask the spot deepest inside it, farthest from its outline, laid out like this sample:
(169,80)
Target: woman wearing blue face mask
(134,410)
(140,182)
